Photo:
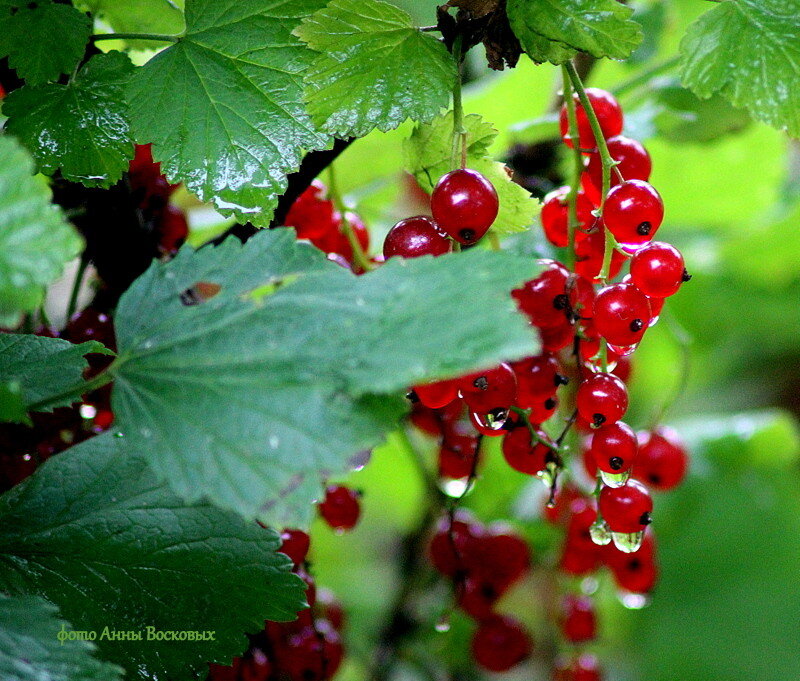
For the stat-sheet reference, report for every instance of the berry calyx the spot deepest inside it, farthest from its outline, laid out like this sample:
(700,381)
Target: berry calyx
(614,447)
(606,109)
(626,509)
(464,205)
(500,643)
(341,508)
(415,237)
(633,212)
(602,399)
(621,314)
(658,270)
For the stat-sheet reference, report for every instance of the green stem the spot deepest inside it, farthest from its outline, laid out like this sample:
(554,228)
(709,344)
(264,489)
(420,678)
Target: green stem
(361,259)
(74,393)
(572,118)
(459,132)
(137,36)
(76,286)
(605,158)
(644,77)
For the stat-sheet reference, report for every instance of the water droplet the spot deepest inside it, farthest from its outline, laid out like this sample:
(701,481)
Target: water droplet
(26,457)
(274,441)
(454,487)
(589,585)
(601,532)
(119,433)
(628,543)
(443,623)
(615,479)
(633,601)
(623,350)
(147,345)
(493,420)
(88,411)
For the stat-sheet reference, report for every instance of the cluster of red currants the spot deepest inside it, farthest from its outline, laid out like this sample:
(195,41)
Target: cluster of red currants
(315,218)
(24,448)
(152,192)
(307,649)
(483,562)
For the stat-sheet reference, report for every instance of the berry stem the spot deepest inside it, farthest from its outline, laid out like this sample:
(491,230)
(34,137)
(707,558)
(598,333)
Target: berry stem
(136,36)
(572,198)
(459,132)
(359,256)
(74,393)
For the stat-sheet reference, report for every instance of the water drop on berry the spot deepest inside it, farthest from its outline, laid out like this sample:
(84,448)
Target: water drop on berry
(628,542)
(600,532)
(443,623)
(454,487)
(615,479)
(633,601)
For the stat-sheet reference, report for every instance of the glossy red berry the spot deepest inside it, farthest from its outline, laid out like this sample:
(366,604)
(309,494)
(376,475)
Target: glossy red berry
(579,623)
(589,254)
(606,109)
(555,215)
(452,548)
(602,399)
(437,395)
(582,668)
(633,163)
(341,507)
(295,544)
(522,454)
(627,508)
(614,447)
(490,391)
(500,643)
(173,228)
(537,377)
(414,237)
(633,212)
(503,555)
(544,299)
(464,205)
(621,314)
(312,215)
(658,270)
(662,459)
(635,572)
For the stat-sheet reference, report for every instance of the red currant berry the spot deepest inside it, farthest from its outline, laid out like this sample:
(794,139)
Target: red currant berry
(606,109)
(544,299)
(437,395)
(312,216)
(621,314)
(457,457)
(633,212)
(657,270)
(452,547)
(627,508)
(537,377)
(476,595)
(330,608)
(341,508)
(583,668)
(543,410)
(523,455)
(503,556)
(602,399)
(635,572)
(662,460)
(633,163)
(295,544)
(589,254)
(173,229)
(464,204)
(500,643)
(555,215)
(490,391)
(614,447)
(414,237)
(579,624)
(557,338)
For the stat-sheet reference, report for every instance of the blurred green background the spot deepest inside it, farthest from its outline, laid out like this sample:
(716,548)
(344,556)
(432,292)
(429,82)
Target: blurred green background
(728,603)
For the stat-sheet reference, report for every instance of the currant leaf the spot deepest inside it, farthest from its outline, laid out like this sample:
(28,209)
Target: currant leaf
(765,78)
(42,40)
(35,239)
(428,156)
(374,69)
(80,128)
(95,533)
(30,649)
(254,396)
(230,90)
(603,28)
(541,49)
(44,367)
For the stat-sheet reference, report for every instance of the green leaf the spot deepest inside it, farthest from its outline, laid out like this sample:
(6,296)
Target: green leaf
(251,400)
(428,156)
(12,404)
(603,28)
(35,239)
(80,128)
(30,648)
(231,91)
(45,367)
(142,16)
(375,68)
(749,52)
(541,50)
(42,40)
(95,533)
